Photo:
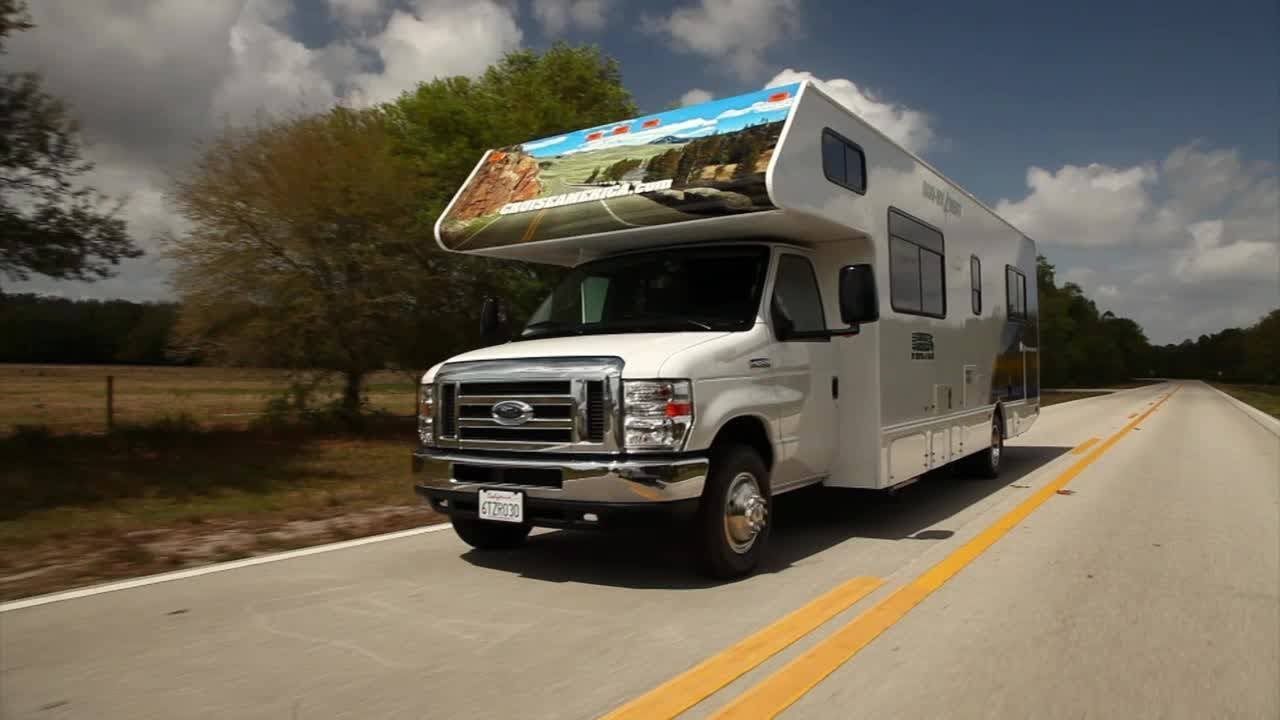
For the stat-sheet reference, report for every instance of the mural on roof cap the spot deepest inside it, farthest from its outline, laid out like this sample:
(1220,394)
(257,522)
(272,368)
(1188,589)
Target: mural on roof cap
(705,160)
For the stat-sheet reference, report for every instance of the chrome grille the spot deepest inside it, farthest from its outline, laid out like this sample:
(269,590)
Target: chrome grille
(569,405)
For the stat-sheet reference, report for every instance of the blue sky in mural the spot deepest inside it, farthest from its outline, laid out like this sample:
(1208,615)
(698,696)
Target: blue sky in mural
(709,118)
(1135,141)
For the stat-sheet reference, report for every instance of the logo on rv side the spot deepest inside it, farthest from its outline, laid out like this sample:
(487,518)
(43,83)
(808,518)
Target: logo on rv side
(941,198)
(921,346)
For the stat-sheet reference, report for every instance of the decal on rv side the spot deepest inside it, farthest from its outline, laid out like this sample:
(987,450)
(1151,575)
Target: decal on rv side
(941,198)
(921,346)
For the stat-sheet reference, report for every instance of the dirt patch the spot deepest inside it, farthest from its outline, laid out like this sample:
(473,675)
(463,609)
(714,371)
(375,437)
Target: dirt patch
(92,557)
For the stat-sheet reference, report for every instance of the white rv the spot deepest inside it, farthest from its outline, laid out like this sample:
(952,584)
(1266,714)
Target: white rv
(766,293)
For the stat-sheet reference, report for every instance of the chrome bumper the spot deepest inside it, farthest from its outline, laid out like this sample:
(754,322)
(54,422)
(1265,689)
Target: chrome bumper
(623,481)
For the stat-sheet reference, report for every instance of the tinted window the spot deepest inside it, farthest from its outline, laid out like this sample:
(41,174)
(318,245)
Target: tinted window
(833,157)
(932,301)
(795,294)
(658,291)
(975,284)
(904,272)
(843,162)
(1015,293)
(917,283)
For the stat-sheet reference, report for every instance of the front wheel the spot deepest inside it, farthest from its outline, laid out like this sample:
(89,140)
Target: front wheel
(735,514)
(489,535)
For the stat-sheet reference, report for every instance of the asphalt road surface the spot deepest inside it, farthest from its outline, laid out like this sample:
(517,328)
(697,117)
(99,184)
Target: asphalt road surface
(617,213)
(1146,588)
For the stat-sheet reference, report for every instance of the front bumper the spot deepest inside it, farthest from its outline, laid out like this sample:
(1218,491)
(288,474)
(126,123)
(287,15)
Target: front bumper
(603,481)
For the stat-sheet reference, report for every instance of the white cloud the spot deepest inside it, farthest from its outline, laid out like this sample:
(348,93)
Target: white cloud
(1091,205)
(437,39)
(695,96)
(150,83)
(1198,234)
(738,32)
(909,128)
(558,16)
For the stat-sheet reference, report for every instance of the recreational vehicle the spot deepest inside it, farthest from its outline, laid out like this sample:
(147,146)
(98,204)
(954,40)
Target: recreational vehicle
(765,293)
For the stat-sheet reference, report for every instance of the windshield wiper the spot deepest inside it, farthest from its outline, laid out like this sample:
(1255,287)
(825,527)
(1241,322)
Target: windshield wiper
(661,322)
(551,326)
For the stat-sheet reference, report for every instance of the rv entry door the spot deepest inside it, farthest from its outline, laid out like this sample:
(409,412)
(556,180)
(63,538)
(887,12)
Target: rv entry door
(805,377)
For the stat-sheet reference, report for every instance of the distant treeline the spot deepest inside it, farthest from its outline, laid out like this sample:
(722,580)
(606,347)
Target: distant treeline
(1082,346)
(38,329)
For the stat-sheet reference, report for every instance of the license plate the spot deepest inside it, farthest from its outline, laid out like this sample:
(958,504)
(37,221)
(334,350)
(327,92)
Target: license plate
(502,506)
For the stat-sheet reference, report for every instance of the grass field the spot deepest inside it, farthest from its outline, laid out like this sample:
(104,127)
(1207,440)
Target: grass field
(1264,397)
(164,492)
(72,398)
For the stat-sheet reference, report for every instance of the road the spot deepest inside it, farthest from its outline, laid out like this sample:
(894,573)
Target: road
(1146,588)
(583,218)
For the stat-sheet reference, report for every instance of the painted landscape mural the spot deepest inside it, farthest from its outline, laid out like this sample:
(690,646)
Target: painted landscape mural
(707,160)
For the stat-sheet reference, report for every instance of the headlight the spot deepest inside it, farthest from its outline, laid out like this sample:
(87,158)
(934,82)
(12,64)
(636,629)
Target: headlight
(426,413)
(657,414)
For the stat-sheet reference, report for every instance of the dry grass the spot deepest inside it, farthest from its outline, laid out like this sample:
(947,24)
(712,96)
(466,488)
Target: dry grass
(85,508)
(1264,397)
(72,398)
(1053,398)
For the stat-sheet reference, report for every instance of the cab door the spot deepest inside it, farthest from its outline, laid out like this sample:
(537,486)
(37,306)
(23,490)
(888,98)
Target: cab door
(804,372)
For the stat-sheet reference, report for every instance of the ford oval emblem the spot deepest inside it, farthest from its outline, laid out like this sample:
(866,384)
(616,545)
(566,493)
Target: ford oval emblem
(512,412)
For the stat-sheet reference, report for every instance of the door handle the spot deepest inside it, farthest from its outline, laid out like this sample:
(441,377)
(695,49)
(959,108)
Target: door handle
(835,388)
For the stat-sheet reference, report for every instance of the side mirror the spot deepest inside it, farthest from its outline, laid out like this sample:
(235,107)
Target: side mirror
(491,321)
(859,301)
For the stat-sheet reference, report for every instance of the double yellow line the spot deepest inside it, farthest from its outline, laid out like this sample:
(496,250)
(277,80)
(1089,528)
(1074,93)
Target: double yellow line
(783,688)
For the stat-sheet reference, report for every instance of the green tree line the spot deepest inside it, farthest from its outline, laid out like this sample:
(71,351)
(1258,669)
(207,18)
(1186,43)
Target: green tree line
(1081,345)
(57,330)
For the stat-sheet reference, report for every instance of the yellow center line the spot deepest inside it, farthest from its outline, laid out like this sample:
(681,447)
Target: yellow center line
(701,681)
(780,690)
(533,227)
(1082,447)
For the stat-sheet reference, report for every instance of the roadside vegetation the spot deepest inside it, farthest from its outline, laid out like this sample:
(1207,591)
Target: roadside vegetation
(1264,397)
(170,493)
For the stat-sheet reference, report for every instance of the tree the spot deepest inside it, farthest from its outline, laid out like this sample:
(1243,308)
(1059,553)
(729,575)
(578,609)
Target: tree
(441,129)
(301,250)
(50,224)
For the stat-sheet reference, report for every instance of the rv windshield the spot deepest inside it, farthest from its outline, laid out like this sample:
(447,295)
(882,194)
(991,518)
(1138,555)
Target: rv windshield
(705,288)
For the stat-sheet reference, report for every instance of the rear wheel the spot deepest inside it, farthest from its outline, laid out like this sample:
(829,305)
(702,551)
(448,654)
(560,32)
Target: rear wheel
(986,464)
(489,535)
(734,515)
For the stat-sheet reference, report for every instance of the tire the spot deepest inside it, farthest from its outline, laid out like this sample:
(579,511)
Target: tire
(734,515)
(489,535)
(986,464)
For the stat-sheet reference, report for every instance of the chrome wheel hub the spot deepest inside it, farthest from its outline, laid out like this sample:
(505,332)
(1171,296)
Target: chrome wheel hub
(746,513)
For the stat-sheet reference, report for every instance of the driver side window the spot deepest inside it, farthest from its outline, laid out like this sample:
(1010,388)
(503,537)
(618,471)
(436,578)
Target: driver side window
(797,304)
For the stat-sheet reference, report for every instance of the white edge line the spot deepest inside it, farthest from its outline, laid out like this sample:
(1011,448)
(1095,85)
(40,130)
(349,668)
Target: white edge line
(214,568)
(1265,421)
(615,215)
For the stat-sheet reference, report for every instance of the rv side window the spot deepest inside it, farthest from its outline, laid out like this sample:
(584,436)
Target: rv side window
(1015,293)
(975,284)
(795,295)
(916,269)
(843,162)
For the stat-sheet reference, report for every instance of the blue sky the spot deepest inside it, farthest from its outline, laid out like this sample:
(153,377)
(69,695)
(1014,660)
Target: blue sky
(1135,141)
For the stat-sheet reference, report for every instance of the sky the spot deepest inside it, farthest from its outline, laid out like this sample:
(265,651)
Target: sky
(1136,142)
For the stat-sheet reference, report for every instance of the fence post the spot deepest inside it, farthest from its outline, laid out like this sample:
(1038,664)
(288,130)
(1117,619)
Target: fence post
(111,402)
